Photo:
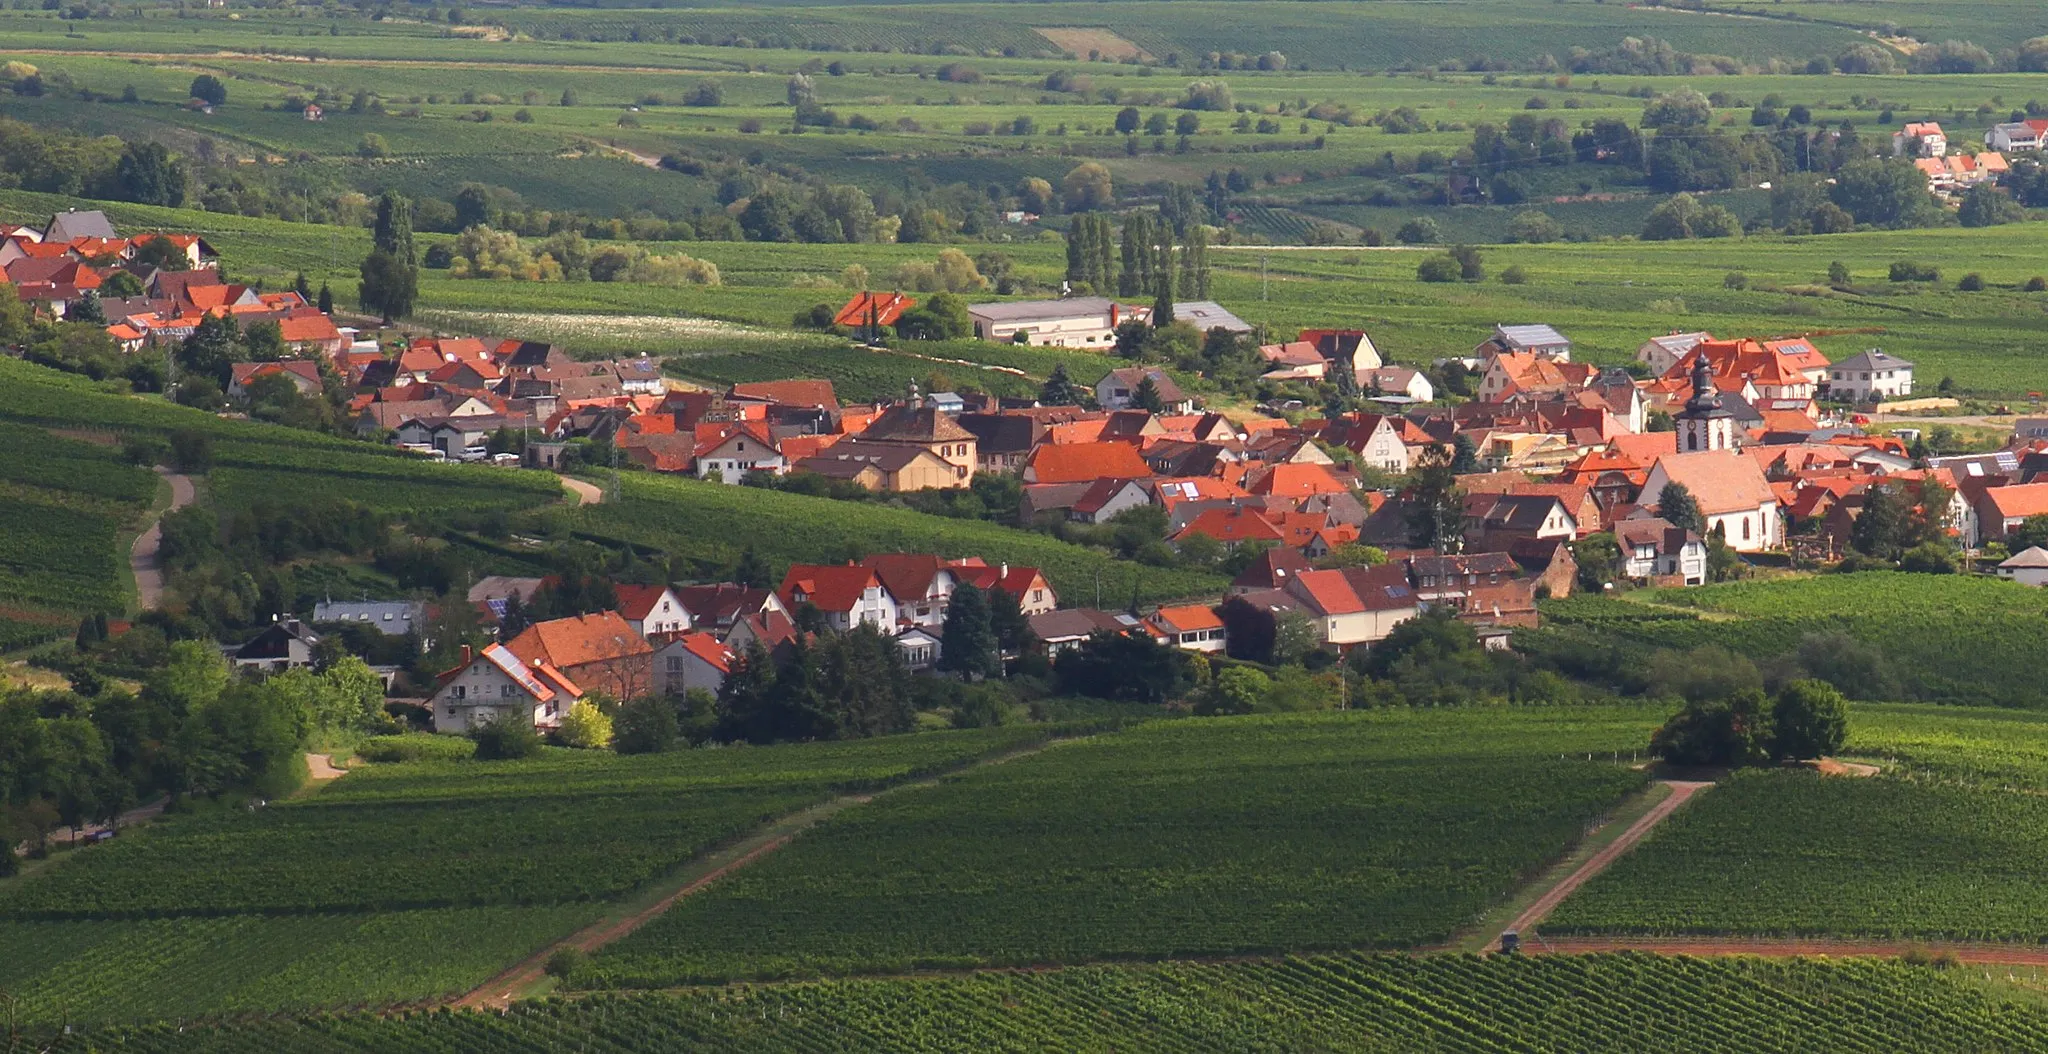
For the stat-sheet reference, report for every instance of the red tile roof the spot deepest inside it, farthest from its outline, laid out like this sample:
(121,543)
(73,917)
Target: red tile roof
(637,602)
(566,643)
(1086,462)
(882,309)
(788,393)
(827,587)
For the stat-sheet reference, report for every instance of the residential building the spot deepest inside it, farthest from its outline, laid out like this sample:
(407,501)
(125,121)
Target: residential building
(1920,139)
(1662,353)
(1085,463)
(1118,390)
(2016,136)
(494,685)
(888,467)
(1374,438)
(1398,381)
(871,314)
(1080,321)
(1493,521)
(1872,376)
(920,648)
(919,425)
(2001,510)
(286,644)
(1191,627)
(727,452)
(2028,567)
(1355,605)
(922,585)
(393,618)
(1652,548)
(1065,629)
(1206,315)
(691,660)
(652,609)
(1539,340)
(600,652)
(846,595)
(1028,584)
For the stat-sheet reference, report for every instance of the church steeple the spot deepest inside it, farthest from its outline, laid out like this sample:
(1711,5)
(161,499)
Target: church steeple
(1704,424)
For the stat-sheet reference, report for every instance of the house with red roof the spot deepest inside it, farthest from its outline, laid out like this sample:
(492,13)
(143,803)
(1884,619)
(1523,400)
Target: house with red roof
(1028,584)
(870,314)
(846,595)
(1294,481)
(651,609)
(304,375)
(495,684)
(1085,463)
(1190,627)
(2001,510)
(798,393)
(727,452)
(692,660)
(1355,605)
(599,651)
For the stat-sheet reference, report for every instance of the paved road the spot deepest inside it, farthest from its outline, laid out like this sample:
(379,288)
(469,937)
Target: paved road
(143,556)
(586,493)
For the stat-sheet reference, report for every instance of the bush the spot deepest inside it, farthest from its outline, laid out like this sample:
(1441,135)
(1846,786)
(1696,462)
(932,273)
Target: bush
(646,724)
(585,727)
(564,963)
(1735,280)
(1810,719)
(2036,284)
(1971,283)
(1438,269)
(1419,231)
(1909,271)
(506,739)
(1514,275)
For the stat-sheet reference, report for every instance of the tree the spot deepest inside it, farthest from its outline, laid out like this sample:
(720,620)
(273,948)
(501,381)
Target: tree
(1599,560)
(1419,231)
(212,350)
(1989,206)
(585,727)
(1146,396)
(1534,228)
(968,644)
(87,309)
(1087,187)
(1124,666)
(1436,504)
(1884,193)
(1059,388)
(1464,455)
(386,286)
(472,207)
(146,174)
(1880,527)
(1731,731)
(1440,268)
(647,724)
(1677,506)
(1127,120)
(208,89)
(1006,617)
(1684,108)
(943,317)
(1162,287)
(508,738)
(1236,690)
(326,299)
(1810,719)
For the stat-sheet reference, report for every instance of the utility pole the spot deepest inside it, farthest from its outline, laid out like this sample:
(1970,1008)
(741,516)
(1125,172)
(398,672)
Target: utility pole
(1264,283)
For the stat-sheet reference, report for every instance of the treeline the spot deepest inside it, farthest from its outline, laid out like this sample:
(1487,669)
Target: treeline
(85,756)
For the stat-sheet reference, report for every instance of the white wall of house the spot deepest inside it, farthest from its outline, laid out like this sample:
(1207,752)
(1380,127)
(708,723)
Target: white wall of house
(482,694)
(678,669)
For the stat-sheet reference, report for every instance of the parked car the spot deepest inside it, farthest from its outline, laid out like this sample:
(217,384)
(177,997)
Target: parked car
(475,453)
(508,460)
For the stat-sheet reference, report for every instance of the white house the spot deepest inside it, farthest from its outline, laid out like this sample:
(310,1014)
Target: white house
(1920,139)
(920,647)
(691,660)
(846,595)
(494,684)
(1118,390)
(736,450)
(2017,135)
(1732,493)
(1652,548)
(652,609)
(1080,321)
(2029,567)
(1398,380)
(1191,627)
(1356,605)
(1662,353)
(1870,377)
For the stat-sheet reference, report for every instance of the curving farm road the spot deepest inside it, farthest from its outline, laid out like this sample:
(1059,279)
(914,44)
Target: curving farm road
(143,556)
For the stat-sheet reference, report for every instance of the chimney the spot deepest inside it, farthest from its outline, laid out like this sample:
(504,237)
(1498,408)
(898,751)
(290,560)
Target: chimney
(468,653)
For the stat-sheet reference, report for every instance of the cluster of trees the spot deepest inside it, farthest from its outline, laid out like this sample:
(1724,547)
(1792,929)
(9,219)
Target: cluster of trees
(58,162)
(72,758)
(1805,719)
(845,685)
(484,252)
(1163,255)
(1895,530)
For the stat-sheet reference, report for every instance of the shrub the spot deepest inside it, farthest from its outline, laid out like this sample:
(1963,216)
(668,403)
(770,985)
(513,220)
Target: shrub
(1971,283)
(1909,271)
(507,739)
(2036,284)
(1440,268)
(585,727)
(564,963)
(1514,275)
(1419,231)
(1735,280)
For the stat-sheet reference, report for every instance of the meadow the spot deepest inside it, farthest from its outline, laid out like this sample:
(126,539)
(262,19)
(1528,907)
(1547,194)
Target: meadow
(1210,837)
(1946,843)
(1919,623)
(404,881)
(1596,1003)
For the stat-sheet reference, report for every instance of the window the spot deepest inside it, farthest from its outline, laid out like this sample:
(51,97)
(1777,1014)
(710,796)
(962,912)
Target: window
(504,691)
(1745,528)
(461,691)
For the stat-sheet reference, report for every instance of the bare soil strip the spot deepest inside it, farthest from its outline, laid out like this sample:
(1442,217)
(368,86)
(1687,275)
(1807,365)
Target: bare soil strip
(586,493)
(142,556)
(1681,792)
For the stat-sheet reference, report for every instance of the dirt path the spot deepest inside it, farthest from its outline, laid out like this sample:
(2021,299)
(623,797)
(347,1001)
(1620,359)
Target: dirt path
(1987,954)
(143,555)
(126,819)
(502,990)
(322,768)
(1681,792)
(586,493)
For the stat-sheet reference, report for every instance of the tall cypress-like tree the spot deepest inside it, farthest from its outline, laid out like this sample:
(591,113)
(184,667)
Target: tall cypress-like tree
(1137,249)
(1059,389)
(390,275)
(1105,255)
(1162,286)
(1194,263)
(393,232)
(1679,508)
(967,644)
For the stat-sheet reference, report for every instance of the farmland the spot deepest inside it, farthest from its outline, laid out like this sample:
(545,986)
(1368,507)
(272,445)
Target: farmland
(714,524)
(1620,1003)
(1920,624)
(1947,844)
(497,858)
(1223,836)
(68,506)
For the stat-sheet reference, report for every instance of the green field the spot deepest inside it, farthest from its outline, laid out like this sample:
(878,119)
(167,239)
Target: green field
(1920,624)
(1947,843)
(70,503)
(1223,836)
(1620,1003)
(404,881)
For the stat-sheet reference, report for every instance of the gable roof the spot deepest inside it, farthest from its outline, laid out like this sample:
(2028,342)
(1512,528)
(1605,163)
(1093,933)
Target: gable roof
(2031,556)
(1206,315)
(906,423)
(2019,501)
(788,393)
(1187,617)
(1086,462)
(1528,336)
(1721,481)
(637,602)
(885,309)
(827,587)
(1133,376)
(566,643)
(907,576)
(541,681)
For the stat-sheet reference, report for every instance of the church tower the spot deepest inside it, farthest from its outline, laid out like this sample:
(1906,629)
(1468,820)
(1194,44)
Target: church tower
(1704,424)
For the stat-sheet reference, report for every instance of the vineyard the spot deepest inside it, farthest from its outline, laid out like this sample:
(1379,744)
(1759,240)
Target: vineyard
(1920,622)
(1221,836)
(1596,1003)
(67,507)
(380,478)
(1949,842)
(714,524)
(404,880)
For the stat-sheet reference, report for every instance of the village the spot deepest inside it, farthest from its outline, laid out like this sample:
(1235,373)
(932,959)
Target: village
(1703,456)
